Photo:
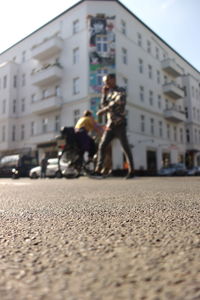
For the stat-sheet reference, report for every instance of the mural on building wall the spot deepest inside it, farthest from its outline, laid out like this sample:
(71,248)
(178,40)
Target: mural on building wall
(101,53)
(94,104)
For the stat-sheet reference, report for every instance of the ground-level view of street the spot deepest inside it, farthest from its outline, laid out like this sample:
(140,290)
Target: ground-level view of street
(109,239)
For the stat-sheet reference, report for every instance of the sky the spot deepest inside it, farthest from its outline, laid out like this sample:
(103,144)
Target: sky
(177,22)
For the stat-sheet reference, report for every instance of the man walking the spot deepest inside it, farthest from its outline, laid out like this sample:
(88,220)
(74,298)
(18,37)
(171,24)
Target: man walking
(113,104)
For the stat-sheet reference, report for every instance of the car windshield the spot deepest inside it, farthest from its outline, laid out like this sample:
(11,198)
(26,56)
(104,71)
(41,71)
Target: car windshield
(52,161)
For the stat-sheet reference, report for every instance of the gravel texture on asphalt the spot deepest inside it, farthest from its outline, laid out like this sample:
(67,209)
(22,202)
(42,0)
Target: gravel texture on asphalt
(111,239)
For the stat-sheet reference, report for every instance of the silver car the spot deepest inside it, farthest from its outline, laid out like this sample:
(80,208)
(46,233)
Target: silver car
(52,171)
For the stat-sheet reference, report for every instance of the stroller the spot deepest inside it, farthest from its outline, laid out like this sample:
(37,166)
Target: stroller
(73,162)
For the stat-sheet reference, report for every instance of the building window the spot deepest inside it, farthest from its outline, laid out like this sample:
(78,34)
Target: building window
(76,115)
(139,39)
(195,136)
(125,83)
(164,55)
(45,93)
(151,98)
(152,126)
(197,94)
(4,106)
(76,85)
(150,71)
(199,136)
(124,56)
(168,132)
(15,81)
(22,132)
(187,136)
(32,128)
(3,133)
(57,91)
(123,27)
(160,128)
(175,133)
(186,112)
(5,82)
(141,93)
(193,92)
(142,123)
(101,44)
(23,56)
(44,125)
(157,53)
(33,98)
(23,79)
(166,104)
(14,106)
(149,47)
(159,102)
(23,105)
(75,26)
(181,135)
(100,74)
(194,113)
(13,133)
(158,76)
(198,115)
(57,123)
(140,65)
(75,56)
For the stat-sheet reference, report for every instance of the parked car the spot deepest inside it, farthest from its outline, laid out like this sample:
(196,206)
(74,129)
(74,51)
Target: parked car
(195,171)
(52,171)
(173,170)
(16,165)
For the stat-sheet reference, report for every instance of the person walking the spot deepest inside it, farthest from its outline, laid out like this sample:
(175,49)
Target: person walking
(43,165)
(113,104)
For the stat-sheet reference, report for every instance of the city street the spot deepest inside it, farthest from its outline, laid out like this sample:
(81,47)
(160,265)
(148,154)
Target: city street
(112,239)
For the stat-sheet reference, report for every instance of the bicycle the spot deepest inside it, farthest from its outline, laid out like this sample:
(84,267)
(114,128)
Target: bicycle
(73,162)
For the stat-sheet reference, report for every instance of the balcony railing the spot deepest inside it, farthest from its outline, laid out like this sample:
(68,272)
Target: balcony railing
(47,75)
(47,104)
(47,49)
(170,66)
(173,91)
(174,115)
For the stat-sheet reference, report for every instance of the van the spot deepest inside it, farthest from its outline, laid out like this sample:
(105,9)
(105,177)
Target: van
(16,165)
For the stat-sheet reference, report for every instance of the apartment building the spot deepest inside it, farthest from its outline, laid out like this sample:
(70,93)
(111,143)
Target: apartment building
(51,76)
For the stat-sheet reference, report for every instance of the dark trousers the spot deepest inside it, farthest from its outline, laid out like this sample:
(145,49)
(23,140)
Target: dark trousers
(116,132)
(86,143)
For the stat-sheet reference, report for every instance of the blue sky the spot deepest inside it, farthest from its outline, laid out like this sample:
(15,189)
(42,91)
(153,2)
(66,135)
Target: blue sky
(175,21)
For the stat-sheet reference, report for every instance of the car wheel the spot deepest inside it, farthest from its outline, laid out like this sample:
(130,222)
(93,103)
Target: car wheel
(58,174)
(34,176)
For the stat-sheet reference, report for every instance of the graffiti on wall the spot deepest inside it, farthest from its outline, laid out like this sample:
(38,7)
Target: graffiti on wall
(101,50)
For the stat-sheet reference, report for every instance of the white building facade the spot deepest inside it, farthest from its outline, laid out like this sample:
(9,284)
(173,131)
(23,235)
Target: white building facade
(51,76)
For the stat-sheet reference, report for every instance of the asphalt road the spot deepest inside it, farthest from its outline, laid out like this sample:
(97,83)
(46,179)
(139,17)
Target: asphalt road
(110,239)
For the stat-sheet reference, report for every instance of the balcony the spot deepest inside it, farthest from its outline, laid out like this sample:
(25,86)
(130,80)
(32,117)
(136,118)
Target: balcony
(47,75)
(45,105)
(47,49)
(174,115)
(173,91)
(170,66)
